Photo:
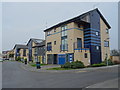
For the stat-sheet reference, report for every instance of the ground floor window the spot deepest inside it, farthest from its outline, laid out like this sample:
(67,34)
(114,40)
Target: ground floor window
(86,56)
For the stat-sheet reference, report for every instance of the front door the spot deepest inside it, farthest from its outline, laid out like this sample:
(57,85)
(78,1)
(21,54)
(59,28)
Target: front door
(61,59)
(55,59)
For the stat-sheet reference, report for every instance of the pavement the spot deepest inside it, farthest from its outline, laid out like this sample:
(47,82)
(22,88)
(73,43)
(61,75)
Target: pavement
(45,67)
(109,83)
(18,75)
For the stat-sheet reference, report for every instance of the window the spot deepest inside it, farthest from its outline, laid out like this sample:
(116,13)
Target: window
(24,52)
(79,43)
(106,43)
(54,29)
(49,46)
(49,32)
(86,55)
(54,42)
(107,31)
(63,29)
(97,33)
(64,45)
(97,47)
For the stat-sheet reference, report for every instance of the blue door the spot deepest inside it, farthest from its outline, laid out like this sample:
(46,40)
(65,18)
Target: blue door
(61,59)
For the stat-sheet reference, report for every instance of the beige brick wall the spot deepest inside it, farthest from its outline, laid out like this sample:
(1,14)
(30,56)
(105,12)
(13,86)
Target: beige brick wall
(104,36)
(73,34)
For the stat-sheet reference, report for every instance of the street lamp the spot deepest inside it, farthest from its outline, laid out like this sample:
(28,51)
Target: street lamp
(36,59)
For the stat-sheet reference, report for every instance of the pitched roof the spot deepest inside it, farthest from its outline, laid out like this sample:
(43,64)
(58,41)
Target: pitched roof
(40,44)
(37,41)
(79,17)
(20,46)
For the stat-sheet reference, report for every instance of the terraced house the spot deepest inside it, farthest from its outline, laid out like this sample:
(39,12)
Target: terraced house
(84,38)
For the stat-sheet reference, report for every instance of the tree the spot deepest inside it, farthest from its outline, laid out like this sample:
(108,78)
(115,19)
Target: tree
(115,52)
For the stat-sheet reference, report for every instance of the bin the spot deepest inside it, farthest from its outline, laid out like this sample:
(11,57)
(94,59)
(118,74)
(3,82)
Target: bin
(38,65)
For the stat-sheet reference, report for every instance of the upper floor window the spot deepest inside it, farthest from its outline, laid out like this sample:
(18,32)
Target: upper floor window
(96,33)
(64,27)
(97,47)
(49,32)
(49,46)
(64,32)
(106,43)
(24,52)
(64,45)
(54,42)
(54,29)
(107,31)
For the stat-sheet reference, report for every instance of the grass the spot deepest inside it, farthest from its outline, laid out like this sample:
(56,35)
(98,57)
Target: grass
(34,65)
(59,68)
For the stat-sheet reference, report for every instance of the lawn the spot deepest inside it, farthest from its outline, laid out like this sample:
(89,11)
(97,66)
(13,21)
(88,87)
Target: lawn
(34,65)
(59,68)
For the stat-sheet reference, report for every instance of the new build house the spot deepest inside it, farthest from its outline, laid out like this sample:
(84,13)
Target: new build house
(20,51)
(36,50)
(84,38)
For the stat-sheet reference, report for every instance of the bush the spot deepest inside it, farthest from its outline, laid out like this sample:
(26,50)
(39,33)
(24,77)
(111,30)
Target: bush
(98,65)
(109,62)
(18,59)
(66,65)
(73,65)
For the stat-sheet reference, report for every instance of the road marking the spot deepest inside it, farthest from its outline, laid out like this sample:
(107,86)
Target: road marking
(80,71)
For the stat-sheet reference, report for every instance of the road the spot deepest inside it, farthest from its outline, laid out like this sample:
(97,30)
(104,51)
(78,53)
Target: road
(15,77)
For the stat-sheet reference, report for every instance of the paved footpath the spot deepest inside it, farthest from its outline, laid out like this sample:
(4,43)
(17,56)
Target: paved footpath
(44,69)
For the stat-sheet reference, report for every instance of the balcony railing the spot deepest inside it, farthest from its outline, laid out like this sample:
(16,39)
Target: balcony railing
(79,48)
(49,48)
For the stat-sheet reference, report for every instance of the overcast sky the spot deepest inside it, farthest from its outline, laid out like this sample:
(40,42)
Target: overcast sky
(22,21)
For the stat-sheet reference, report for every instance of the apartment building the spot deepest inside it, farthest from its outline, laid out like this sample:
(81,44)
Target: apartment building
(36,50)
(20,51)
(84,38)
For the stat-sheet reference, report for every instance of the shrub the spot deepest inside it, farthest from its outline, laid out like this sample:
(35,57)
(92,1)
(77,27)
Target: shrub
(18,59)
(74,65)
(66,65)
(109,62)
(98,65)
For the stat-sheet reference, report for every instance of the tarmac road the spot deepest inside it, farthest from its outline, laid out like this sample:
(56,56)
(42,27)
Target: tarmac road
(16,77)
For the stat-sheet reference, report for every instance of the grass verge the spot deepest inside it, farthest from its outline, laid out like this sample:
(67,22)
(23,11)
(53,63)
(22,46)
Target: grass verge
(59,68)
(34,65)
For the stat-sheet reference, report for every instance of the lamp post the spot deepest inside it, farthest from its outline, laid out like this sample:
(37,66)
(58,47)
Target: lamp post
(36,59)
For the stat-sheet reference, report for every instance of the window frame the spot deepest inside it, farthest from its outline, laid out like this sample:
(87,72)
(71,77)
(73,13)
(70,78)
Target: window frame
(85,55)
(106,42)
